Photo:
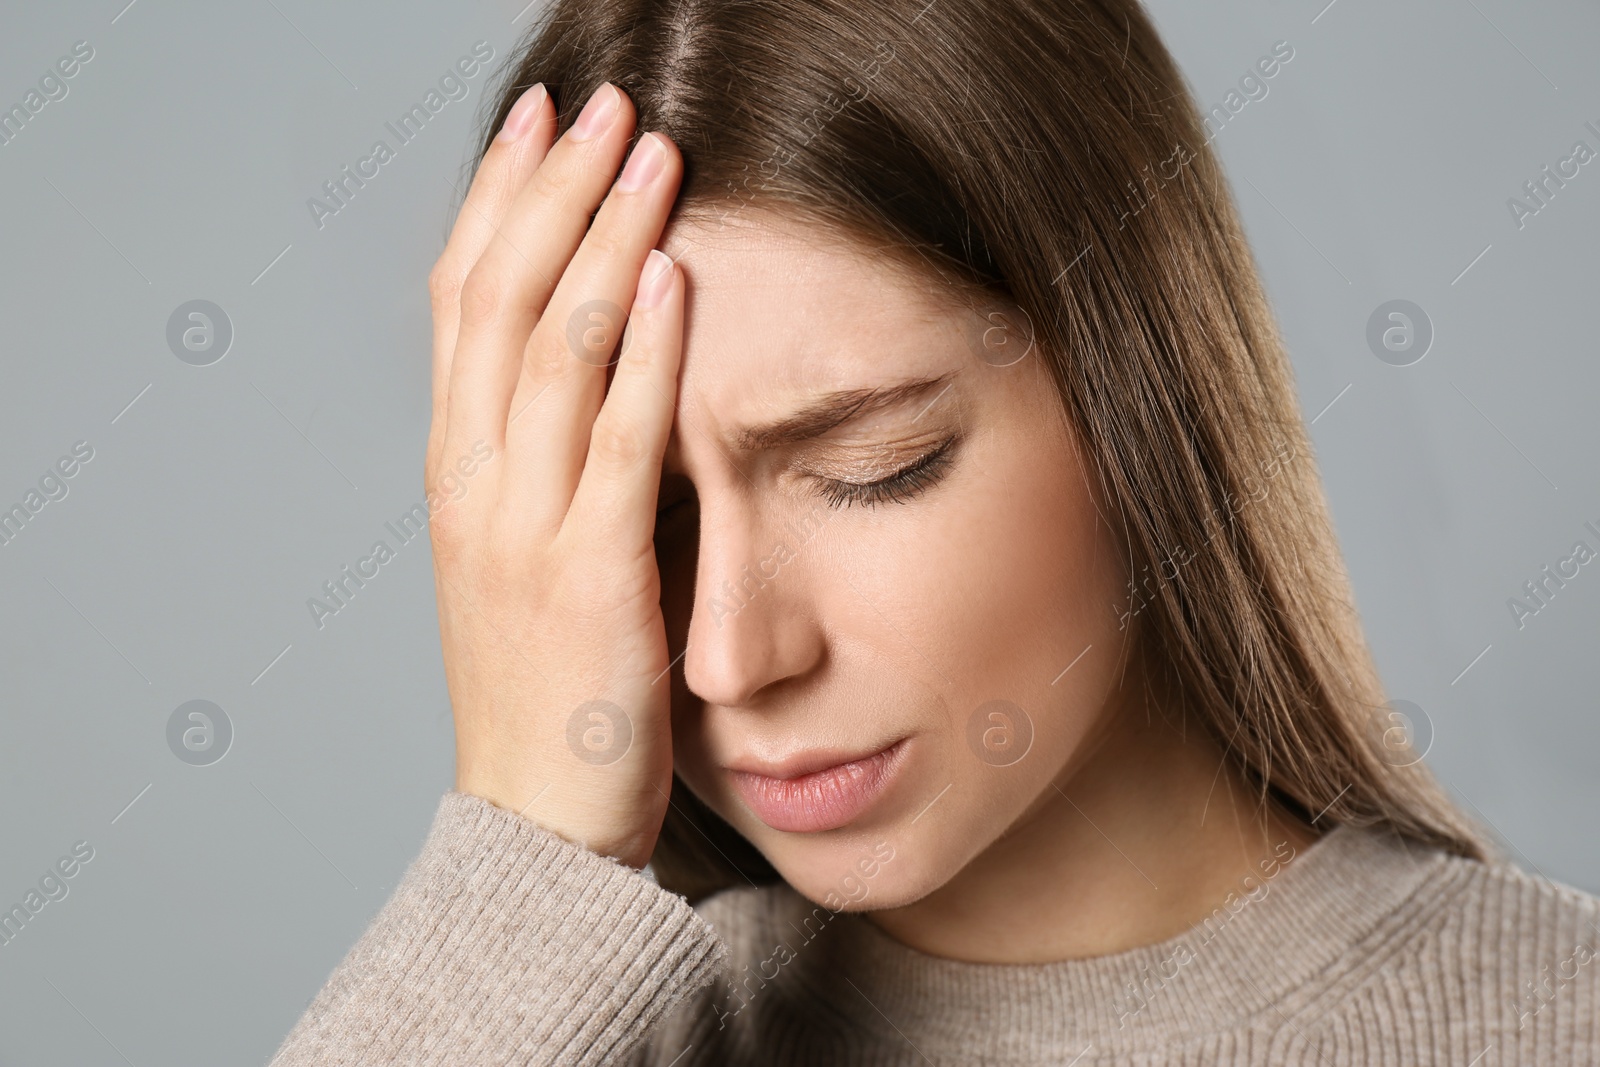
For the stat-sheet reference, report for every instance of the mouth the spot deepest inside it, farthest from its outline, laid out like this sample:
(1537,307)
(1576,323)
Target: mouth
(817,791)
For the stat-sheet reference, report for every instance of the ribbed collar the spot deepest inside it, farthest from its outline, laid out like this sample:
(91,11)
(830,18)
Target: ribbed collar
(1330,898)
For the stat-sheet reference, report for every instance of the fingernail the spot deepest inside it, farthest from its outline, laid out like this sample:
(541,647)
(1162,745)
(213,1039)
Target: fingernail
(522,113)
(654,280)
(597,113)
(643,165)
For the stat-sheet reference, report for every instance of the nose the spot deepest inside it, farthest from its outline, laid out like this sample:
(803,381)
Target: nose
(754,622)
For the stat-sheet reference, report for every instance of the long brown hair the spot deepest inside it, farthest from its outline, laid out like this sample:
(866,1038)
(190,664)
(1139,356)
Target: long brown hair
(1049,152)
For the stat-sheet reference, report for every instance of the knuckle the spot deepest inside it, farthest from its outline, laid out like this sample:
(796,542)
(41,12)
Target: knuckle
(546,184)
(444,284)
(637,361)
(544,361)
(610,241)
(617,444)
(617,236)
(447,531)
(485,292)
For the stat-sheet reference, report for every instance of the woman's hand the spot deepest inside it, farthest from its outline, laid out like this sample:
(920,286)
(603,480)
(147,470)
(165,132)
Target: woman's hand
(555,649)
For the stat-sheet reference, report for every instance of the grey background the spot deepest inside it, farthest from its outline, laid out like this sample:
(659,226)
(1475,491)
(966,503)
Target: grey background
(178,566)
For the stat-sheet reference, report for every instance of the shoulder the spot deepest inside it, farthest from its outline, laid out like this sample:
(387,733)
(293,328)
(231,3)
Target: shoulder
(1487,914)
(1508,961)
(1514,931)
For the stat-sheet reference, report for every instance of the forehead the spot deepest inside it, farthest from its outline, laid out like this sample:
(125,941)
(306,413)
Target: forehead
(777,310)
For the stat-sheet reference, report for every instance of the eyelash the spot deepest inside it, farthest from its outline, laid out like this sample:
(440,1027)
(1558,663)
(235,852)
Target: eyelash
(898,487)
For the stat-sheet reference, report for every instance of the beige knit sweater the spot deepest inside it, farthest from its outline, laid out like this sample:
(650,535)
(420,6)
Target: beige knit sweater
(504,944)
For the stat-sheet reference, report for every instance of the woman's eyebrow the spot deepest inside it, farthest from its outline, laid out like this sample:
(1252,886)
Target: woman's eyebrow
(830,410)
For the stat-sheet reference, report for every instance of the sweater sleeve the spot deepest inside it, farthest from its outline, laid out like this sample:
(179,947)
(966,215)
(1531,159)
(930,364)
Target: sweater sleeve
(506,944)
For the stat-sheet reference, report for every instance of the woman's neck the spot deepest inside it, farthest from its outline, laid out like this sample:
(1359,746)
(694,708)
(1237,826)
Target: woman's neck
(1134,844)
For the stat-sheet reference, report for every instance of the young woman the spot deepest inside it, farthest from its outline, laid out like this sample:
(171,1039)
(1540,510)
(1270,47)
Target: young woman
(919,636)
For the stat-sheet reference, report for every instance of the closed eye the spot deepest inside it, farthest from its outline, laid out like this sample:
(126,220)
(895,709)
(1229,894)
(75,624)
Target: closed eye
(899,487)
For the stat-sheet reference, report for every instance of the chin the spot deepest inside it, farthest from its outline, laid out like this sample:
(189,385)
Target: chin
(861,870)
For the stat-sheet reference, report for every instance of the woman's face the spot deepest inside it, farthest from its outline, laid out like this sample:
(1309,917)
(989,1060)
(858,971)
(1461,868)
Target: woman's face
(950,638)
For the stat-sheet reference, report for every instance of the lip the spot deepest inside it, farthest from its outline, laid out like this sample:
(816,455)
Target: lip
(814,791)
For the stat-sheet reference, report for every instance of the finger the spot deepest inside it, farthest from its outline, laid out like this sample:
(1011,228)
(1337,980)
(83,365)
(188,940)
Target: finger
(616,496)
(516,151)
(505,292)
(556,400)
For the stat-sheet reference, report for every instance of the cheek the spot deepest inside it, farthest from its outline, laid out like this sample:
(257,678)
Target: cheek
(1000,582)
(995,592)
(1038,581)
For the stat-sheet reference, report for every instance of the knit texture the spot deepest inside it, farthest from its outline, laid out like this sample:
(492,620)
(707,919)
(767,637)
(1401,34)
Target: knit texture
(505,944)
